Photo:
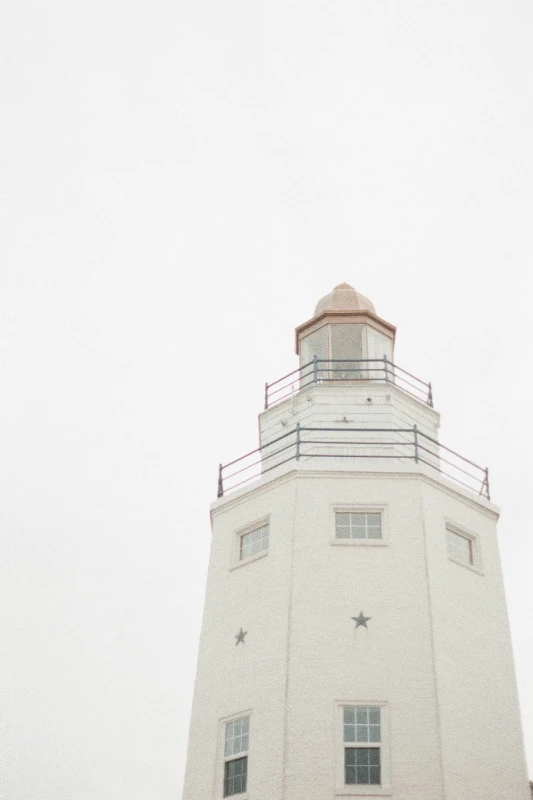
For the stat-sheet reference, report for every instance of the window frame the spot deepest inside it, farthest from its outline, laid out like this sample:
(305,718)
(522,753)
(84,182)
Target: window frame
(366,789)
(360,508)
(371,345)
(236,560)
(475,551)
(222,760)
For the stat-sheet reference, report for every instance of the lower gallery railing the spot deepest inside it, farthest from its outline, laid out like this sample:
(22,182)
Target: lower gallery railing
(403,444)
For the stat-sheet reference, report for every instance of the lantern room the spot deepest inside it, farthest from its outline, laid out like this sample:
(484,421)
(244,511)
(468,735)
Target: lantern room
(345,339)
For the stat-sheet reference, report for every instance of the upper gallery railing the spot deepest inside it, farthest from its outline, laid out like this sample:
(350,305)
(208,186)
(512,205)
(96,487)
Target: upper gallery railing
(342,371)
(404,444)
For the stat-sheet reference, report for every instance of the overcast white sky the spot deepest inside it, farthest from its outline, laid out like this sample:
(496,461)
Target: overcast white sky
(182,181)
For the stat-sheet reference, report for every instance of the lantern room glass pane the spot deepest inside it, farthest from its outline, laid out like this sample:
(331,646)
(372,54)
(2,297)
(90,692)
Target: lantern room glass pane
(316,344)
(347,351)
(379,347)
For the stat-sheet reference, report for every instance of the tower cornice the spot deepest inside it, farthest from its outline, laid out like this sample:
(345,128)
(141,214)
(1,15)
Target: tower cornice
(265,483)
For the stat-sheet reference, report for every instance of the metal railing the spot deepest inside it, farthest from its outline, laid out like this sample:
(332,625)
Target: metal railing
(346,371)
(404,444)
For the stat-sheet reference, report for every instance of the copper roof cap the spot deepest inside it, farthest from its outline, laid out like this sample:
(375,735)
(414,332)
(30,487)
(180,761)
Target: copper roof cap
(344,298)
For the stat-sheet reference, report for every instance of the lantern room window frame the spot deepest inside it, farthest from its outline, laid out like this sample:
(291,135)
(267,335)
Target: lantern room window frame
(338,350)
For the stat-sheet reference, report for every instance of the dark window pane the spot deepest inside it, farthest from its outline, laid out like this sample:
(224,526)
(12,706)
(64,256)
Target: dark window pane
(349,714)
(349,774)
(362,733)
(375,775)
(374,733)
(235,774)
(349,756)
(362,765)
(362,775)
(349,733)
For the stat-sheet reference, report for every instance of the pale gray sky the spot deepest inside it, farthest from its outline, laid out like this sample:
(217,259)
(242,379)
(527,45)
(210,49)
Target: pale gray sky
(181,182)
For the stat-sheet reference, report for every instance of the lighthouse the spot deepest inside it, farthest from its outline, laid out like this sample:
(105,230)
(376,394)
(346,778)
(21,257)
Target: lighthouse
(355,641)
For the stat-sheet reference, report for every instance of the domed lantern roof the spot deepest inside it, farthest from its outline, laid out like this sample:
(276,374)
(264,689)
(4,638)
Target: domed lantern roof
(344,298)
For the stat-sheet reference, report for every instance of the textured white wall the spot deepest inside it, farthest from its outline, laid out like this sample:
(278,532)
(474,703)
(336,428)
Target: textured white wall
(482,746)
(235,678)
(436,649)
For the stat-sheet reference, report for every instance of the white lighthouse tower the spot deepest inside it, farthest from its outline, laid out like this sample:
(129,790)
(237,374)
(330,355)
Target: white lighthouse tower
(355,641)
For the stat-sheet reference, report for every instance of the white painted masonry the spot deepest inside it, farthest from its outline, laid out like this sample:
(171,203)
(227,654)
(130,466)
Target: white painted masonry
(436,655)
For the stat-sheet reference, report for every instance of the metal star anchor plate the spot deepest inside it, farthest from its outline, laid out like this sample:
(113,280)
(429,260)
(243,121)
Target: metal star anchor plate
(240,637)
(361,620)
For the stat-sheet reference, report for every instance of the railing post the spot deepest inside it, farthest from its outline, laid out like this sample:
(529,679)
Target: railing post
(415,433)
(298,441)
(220,492)
(487,482)
(386,362)
(430,395)
(266,395)
(315,369)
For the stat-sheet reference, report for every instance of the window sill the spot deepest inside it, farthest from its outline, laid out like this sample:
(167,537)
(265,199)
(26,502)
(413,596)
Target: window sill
(243,563)
(360,542)
(364,791)
(471,567)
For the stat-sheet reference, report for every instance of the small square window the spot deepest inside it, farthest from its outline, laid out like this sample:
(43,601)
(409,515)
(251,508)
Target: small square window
(358,525)
(253,542)
(462,547)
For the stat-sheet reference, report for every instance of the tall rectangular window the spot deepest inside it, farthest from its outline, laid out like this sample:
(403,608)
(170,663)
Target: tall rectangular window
(357,525)
(459,547)
(236,756)
(362,745)
(254,542)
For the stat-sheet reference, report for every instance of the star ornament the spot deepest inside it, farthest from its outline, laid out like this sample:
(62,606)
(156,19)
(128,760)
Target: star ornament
(240,637)
(361,620)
